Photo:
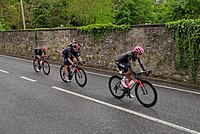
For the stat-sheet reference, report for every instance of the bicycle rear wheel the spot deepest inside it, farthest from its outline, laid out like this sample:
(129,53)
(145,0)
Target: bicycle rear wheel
(146,93)
(62,74)
(46,67)
(80,77)
(35,66)
(116,87)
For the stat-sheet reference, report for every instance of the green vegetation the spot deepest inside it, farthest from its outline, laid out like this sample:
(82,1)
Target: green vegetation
(70,13)
(90,12)
(3,24)
(186,33)
(99,31)
(131,12)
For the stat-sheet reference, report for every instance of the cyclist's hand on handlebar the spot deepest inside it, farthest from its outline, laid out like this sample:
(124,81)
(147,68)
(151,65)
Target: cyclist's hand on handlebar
(44,56)
(73,65)
(148,72)
(82,62)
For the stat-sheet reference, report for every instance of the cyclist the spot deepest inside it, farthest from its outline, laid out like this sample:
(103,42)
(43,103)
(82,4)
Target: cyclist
(124,64)
(70,55)
(38,53)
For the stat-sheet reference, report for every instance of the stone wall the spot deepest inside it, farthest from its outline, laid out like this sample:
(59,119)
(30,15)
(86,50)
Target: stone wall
(159,48)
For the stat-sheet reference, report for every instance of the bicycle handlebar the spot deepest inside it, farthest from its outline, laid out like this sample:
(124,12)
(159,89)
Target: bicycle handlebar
(80,62)
(146,73)
(45,57)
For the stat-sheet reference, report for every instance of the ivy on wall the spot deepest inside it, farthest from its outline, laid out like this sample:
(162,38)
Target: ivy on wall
(99,32)
(186,34)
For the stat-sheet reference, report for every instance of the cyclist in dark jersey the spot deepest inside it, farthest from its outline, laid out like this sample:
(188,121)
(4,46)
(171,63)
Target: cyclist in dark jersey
(38,53)
(124,64)
(70,55)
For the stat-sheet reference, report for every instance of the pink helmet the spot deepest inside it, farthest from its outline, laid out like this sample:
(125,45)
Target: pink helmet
(138,49)
(44,48)
(75,45)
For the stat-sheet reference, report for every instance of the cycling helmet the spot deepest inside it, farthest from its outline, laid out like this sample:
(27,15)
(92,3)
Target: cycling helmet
(44,48)
(138,49)
(75,45)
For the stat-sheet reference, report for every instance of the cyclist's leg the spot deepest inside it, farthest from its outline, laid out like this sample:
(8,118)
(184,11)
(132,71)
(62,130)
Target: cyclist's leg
(129,80)
(38,61)
(121,67)
(66,69)
(128,73)
(124,68)
(36,56)
(65,62)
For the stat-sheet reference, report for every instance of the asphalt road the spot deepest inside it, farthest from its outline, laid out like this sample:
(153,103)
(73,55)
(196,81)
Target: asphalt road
(34,103)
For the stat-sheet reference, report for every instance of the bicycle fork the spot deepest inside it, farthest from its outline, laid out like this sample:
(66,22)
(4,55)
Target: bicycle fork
(144,91)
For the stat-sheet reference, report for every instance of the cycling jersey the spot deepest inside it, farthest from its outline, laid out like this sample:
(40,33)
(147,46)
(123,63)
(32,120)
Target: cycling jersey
(69,53)
(38,51)
(124,61)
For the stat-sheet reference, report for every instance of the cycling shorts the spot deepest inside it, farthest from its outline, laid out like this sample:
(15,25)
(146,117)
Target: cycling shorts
(123,67)
(65,61)
(37,52)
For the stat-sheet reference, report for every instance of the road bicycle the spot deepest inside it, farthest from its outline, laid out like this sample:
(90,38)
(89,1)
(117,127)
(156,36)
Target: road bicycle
(78,72)
(145,92)
(44,65)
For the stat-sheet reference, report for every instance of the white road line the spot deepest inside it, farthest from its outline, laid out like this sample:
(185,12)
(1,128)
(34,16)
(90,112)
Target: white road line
(178,89)
(27,79)
(129,111)
(4,71)
(98,74)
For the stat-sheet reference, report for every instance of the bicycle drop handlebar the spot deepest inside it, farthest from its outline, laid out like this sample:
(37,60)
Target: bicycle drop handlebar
(142,73)
(80,62)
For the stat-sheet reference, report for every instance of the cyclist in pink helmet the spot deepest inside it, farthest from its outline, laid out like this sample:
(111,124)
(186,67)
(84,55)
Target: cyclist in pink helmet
(124,64)
(38,53)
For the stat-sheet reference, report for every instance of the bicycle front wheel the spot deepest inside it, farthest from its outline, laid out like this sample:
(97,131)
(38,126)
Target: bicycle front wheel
(46,67)
(80,77)
(116,87)
(146,93)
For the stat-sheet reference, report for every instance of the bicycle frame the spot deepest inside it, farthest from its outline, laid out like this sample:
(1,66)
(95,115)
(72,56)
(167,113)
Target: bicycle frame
(75,69)
(73,72)
(137,80)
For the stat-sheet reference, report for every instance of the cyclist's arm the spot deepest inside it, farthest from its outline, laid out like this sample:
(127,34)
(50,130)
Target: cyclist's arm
(45,53)
(141,65)
(68,55)
(79,58)
(70,61)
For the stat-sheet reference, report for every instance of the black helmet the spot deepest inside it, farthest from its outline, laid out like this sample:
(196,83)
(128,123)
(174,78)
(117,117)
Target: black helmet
(74,45)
